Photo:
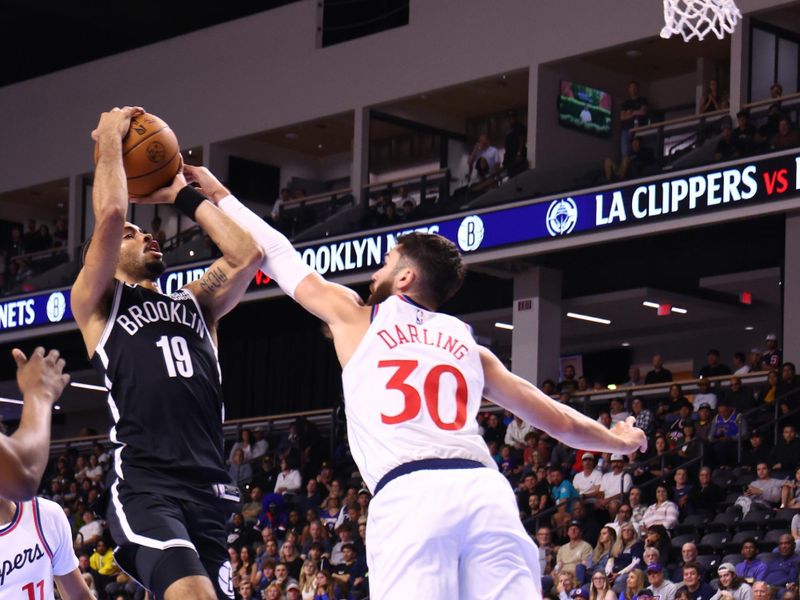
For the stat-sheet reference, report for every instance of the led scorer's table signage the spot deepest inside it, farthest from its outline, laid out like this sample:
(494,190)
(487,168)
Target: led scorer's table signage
(706,191)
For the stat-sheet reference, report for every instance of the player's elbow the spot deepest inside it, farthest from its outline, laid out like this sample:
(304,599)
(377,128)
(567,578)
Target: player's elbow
(110,214)
(20,486)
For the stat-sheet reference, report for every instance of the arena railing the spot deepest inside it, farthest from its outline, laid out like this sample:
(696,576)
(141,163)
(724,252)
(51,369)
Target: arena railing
(694,129)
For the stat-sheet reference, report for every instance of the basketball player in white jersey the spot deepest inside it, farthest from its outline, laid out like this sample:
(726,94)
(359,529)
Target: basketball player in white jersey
(23,455)
(35,549)
(443,522)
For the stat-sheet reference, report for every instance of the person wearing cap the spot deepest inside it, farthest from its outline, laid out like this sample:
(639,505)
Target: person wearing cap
(704,395)
(573,557)
(773,357)
(703,425)
(293,591)
(660,587)
(647,594)
(751,569)
(731,586)
(694,584)
(265,473)
(562,490)
(587,482)
(614,485)
(713,368)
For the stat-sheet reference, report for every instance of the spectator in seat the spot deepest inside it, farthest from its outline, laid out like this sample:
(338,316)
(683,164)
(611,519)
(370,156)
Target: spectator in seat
(495,431)
(634,377)
(568,382)
(587,483)
(567,585)
(783,570)
(516,432)
(289,480)
(663,588)
(751,569)
(754,452)
(634,583)
(704,395)
(762,591)
(515,158)
(788,383)
(484,149)
(765,491)
(682,491)
(663,512)
(688,556)
(547,556)
(633,113)
(602,550)
(744,136)
(693,583)
(790,492)
(726,428)
(726,147)
(600,587)
(786,453)
(589,525)
(617,411)
(240,472)
(277,207)
(623,517)
(772,357)
(349,576)
(658,374)
(738,396)
(266,474)
(637,508)
(711,100)
(707,496)
(740,366)
(89,534)
(657,537)
(787,136)
(627,552)
(633,165)
(644,417)
(614,485)
(574,557)
(731,586)
(714,368)
(102,564)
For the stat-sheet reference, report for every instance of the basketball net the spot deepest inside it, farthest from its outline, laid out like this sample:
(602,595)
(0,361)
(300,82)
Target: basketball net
(695,19)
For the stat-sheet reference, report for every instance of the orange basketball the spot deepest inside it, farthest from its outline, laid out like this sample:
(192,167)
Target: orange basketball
(150,155)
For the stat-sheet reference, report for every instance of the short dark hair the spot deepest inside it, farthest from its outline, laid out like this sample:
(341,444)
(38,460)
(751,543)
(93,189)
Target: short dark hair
(442,270)
(692,565)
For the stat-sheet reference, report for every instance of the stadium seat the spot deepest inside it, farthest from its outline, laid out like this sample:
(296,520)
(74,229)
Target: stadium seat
(680,540)
(709,562)
(693,524)
(713,542)
(733,558)
(735,543)
(770,539)
(755,518)
(787,514)
(722,522)
(767,557)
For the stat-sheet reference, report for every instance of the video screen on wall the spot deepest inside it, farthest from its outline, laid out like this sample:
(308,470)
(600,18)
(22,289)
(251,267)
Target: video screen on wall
(585,108)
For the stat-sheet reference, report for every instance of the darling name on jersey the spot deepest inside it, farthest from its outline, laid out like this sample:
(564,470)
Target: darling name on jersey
(407,333)
(9,565)
(137,317)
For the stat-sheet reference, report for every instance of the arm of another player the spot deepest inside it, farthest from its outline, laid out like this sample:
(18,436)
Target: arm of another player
(72,586)
(333,303)
(23,456)
(558,420)
(226,280)
(95,281)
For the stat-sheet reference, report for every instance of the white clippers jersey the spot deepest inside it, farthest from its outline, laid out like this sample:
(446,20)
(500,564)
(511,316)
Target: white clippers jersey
(412,390)
(34,547)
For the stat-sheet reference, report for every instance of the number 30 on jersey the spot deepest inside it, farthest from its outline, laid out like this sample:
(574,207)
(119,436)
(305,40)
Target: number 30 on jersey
(430,391)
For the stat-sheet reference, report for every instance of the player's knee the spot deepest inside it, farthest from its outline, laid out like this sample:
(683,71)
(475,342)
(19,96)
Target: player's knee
(195,586)
(174,573)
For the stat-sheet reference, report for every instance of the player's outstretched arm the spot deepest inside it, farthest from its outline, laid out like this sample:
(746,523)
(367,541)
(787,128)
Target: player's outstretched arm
(333,303)
(23,456)
(93,287)
(559,420)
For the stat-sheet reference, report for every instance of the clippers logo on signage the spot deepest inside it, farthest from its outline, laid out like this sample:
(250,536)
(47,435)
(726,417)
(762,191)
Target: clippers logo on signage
(561,217)
(470,233)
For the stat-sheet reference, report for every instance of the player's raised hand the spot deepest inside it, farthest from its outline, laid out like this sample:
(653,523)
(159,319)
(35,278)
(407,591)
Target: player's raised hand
(210,186)
(40,377)
(633,437)
(116,122)
(166,194)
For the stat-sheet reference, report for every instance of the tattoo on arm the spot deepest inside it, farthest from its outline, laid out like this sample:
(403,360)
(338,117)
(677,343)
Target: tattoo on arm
(213,280)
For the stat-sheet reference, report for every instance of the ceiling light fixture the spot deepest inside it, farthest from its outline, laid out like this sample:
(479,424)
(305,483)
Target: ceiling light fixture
(500,325)
(650,304)
(589,318)
(749,328)
(680,311)
(625,344)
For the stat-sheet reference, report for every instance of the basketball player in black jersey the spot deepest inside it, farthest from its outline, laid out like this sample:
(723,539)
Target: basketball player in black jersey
(157,354)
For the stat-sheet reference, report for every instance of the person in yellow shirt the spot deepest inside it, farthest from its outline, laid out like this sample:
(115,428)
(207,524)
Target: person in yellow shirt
(101,562)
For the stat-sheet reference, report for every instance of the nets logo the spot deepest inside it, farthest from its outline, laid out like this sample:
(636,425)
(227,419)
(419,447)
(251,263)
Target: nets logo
(561,217)
(56,307)
(470,233)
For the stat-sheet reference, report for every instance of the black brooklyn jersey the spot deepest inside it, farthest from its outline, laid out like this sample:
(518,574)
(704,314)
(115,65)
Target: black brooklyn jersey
(160,365)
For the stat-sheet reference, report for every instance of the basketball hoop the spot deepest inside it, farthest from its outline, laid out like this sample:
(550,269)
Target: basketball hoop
(695,19)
